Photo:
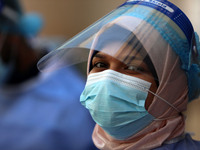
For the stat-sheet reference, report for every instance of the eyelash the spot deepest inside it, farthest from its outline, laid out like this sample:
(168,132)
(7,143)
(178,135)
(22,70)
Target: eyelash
(133,68)
(99,63)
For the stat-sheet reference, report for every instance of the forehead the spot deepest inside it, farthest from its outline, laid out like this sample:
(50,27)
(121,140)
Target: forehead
(128,52)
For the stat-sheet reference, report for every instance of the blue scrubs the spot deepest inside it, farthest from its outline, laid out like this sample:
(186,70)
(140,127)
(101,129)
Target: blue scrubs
(187,143)
(45,114)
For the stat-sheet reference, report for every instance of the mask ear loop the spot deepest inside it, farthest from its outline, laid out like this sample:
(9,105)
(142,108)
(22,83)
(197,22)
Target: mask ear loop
(163,100)
(161,119)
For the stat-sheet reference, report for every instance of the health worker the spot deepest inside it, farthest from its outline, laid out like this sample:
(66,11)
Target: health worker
(143,70)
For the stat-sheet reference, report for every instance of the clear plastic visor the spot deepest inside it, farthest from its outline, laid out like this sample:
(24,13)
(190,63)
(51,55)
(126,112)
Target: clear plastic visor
(129,34)
(112,34)
(133,41)
(114,40)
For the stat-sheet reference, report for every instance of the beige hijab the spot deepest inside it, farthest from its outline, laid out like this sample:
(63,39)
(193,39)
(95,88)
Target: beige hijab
(172,87)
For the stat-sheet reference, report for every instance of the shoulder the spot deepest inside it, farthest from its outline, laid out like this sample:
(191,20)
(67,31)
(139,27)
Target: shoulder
(187,143)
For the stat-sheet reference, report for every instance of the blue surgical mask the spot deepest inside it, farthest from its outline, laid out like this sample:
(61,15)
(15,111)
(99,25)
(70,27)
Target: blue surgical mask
(116,102)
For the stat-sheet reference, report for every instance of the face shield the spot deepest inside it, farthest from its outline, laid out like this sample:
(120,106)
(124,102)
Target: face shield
(139,32)
(158,15)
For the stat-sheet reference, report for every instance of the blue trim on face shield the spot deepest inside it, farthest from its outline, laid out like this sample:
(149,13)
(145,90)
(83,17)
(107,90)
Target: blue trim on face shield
(169,10)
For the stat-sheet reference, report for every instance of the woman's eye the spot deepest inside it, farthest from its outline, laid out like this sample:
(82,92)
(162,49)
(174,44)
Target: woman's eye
(134,68)
(100,65)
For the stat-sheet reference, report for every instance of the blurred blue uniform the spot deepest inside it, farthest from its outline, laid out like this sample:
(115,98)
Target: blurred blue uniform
(186,143)
(37,111)
(44,113)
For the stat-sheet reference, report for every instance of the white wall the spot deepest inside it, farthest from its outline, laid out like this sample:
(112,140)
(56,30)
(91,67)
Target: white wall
(68,17)
(192,9)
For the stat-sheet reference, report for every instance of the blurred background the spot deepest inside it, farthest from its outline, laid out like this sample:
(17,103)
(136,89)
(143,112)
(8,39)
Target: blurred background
(65,18)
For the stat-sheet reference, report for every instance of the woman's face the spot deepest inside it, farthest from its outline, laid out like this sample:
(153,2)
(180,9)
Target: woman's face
(102,61)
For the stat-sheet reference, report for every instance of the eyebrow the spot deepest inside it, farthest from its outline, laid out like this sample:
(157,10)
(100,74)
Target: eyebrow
(103,56)
(100,55)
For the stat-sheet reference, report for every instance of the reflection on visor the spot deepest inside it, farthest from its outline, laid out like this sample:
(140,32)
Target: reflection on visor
(119,43)
(66,57)
(83,41)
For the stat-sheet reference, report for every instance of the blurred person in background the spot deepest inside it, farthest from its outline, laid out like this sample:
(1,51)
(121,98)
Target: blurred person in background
(37,111)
